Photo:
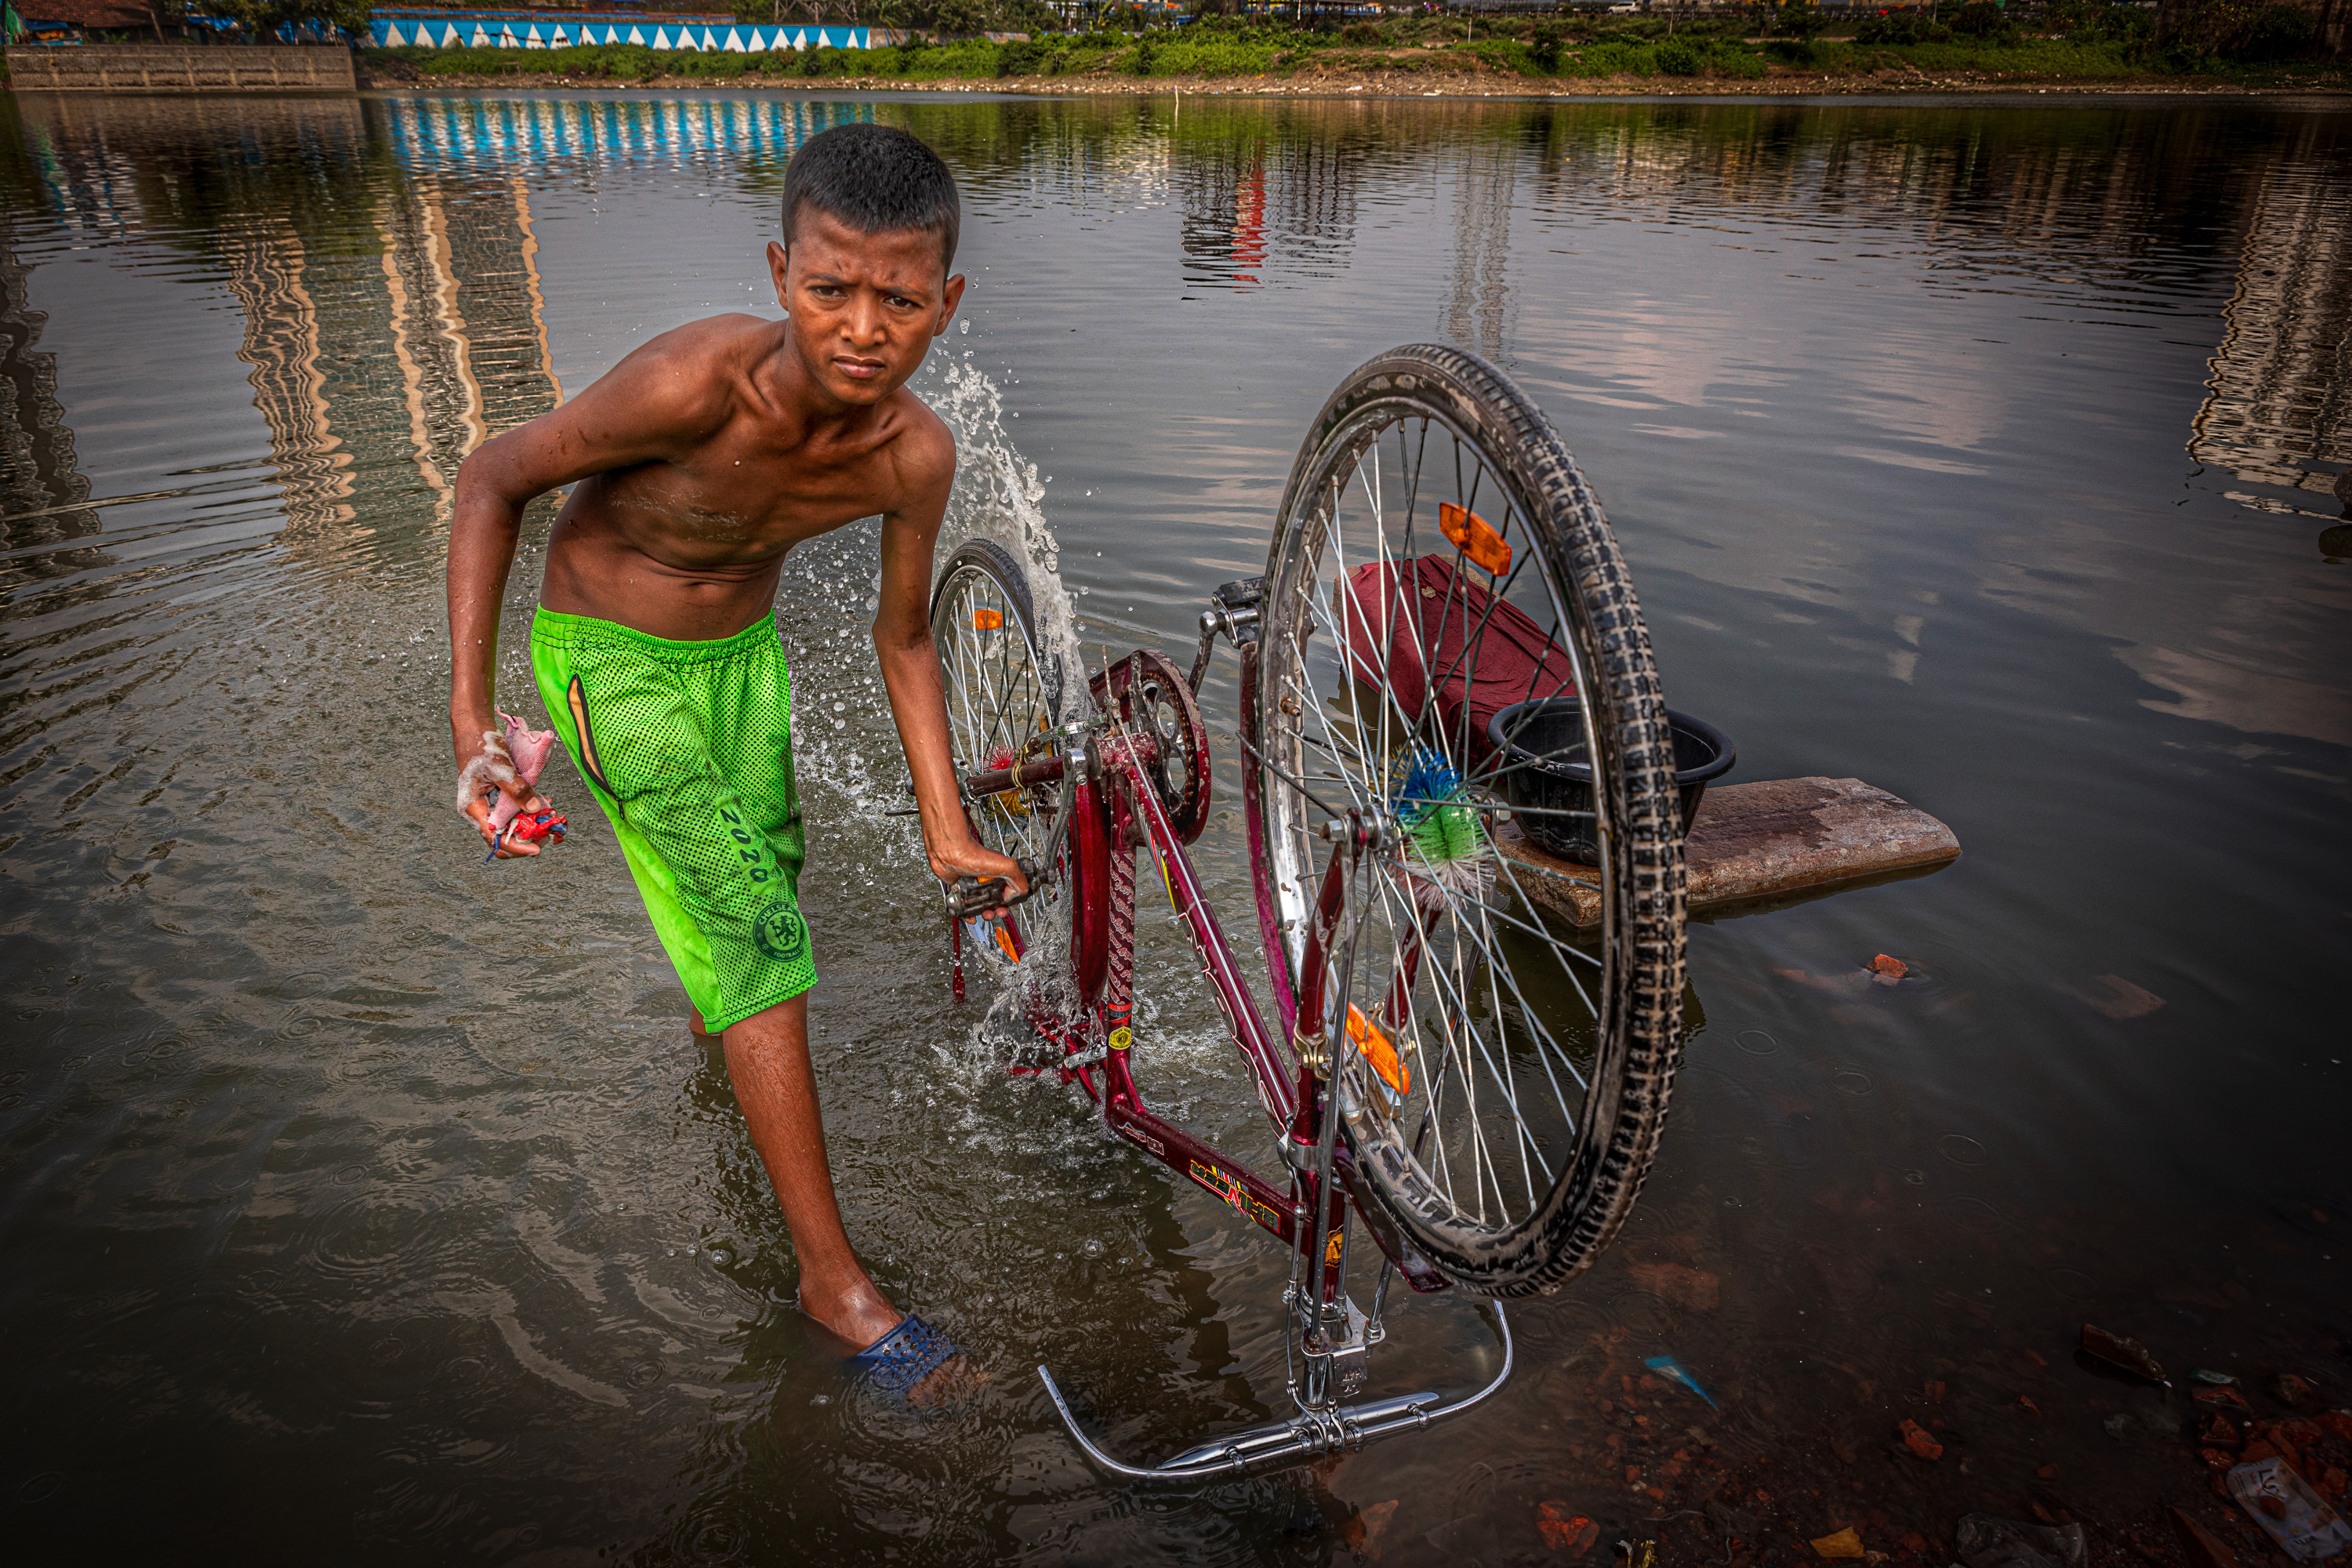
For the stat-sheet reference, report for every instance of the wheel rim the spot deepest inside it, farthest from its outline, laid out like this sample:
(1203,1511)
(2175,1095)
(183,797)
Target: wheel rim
(1472,1087)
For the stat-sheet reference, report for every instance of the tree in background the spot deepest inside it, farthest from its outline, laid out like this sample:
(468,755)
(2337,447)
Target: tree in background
(2252,30)
(946,18)
(260,19)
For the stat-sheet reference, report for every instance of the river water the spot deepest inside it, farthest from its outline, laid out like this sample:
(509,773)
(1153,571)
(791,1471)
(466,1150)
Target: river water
(362,1202)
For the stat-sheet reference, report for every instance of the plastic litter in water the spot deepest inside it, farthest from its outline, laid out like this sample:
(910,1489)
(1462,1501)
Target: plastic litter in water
(1983,1538)
(2129,1355)
(1564,1529)
(1844,1543)
(1667,1367)
(2276,1498)
(1916,1438)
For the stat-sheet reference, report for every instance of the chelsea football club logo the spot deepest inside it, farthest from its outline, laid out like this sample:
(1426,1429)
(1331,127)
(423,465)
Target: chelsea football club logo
(780,932)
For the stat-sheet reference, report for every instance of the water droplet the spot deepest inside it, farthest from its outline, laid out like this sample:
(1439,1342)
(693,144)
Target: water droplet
(964,327)
(821,1399)
(1094,1248)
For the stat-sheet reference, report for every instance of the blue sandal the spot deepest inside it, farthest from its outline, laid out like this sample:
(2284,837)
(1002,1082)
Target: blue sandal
(902,1358)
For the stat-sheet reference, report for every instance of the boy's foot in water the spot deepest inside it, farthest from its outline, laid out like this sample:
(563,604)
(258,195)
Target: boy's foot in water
(767,1058)
(909,1356)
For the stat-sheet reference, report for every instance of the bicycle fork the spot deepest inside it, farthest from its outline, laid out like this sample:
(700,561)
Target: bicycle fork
(1334,1338)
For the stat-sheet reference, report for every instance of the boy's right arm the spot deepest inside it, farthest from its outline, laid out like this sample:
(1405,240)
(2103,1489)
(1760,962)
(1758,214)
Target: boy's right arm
(654,404)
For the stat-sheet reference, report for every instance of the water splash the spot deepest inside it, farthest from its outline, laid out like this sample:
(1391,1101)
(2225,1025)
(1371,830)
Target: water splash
(999,495)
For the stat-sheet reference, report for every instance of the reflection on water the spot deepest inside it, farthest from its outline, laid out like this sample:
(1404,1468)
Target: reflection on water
(1253,205)
(41,485)
(338,1159)
(2280,409)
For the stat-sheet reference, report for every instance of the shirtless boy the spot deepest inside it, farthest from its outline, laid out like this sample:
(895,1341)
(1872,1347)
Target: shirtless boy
(700,461)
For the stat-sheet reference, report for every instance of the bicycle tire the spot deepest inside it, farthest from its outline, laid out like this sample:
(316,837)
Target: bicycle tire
(1436,893)
(1001,702)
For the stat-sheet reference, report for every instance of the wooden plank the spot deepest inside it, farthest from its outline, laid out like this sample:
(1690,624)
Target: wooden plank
(1779,840)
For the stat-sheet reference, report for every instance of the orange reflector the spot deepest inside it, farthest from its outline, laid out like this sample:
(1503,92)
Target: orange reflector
(1474,537)
(1367,1038)
(1004,943)
(988,620)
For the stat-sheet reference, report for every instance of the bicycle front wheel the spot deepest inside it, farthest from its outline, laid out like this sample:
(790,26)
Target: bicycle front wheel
(1441,579)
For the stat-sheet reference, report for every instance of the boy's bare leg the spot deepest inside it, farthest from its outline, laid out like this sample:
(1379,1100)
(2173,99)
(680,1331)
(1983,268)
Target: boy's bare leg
(768,1060)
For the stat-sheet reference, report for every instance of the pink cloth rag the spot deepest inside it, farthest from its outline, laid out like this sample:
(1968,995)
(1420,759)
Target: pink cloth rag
(530,749)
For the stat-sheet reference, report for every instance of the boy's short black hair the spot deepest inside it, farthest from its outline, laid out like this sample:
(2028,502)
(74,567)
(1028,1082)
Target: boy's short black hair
(877,179)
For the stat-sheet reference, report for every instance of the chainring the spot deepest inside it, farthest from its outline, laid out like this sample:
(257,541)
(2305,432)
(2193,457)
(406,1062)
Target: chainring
(1146,695)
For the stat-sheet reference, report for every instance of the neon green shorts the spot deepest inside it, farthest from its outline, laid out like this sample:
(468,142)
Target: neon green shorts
(688,746)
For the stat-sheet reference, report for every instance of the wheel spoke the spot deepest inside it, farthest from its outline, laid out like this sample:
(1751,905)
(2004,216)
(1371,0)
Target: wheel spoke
(1497,1057)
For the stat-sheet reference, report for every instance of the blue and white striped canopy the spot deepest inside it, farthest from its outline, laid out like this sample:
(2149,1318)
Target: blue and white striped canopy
(508,33)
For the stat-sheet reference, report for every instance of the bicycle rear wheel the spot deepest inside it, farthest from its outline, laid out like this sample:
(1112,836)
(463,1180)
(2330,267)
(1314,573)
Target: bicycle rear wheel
(1002,702)
(1438,559)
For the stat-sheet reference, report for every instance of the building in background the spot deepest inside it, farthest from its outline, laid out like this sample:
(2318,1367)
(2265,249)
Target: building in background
(77,21)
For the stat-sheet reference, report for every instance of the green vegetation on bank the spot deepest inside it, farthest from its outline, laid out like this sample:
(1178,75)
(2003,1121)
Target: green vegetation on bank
(2063,40)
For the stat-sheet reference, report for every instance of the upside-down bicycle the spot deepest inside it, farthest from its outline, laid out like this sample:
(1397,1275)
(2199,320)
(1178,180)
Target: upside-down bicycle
(1482,1091)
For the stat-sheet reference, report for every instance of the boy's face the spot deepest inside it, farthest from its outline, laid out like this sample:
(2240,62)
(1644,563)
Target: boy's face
(864,307)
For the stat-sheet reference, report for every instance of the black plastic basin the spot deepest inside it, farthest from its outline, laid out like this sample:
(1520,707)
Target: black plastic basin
(1539,751)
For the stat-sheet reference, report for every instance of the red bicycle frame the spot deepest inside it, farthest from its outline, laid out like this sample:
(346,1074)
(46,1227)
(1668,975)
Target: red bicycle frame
(1115,811)
(1111,777)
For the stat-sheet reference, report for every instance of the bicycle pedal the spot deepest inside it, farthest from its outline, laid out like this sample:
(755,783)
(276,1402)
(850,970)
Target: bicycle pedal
(974,897)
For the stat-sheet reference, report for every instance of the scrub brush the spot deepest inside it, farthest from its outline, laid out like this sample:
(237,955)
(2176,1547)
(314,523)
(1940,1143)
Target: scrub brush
(1438,818)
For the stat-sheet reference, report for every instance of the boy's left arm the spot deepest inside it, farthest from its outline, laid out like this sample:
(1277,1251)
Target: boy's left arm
(910,670)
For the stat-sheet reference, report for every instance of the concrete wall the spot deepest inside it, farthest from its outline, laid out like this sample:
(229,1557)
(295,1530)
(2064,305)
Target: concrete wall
(181,67)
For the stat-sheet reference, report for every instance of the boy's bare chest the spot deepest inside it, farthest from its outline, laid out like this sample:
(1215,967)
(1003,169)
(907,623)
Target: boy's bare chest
(738,501)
